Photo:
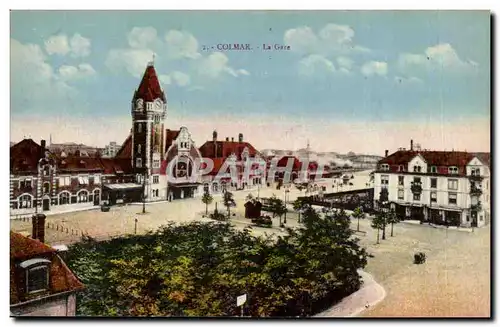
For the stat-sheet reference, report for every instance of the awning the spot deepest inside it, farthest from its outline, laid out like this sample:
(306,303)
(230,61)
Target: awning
(123,186)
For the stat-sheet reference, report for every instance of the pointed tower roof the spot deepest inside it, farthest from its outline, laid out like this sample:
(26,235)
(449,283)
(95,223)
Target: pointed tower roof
(150,88)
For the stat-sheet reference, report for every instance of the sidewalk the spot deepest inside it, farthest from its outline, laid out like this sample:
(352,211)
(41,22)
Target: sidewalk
(55,210)
(368,295)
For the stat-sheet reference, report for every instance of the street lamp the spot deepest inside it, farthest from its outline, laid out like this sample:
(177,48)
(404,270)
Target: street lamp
(144,177)
(286,196)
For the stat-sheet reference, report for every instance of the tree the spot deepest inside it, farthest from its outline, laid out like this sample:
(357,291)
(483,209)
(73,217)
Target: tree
(392,218)
(358,214)
(277,207)
(378,223)
(207,199)
(229,202)
(299,205)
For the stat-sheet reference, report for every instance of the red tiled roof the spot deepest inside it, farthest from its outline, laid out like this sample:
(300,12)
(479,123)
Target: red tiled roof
(149,89)
(126,148)
(207,150)
(116,165)
(23,248)
(440,159)
(24,156)
(171,136)
(79,164)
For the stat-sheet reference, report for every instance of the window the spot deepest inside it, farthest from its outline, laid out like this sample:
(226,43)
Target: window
(139,149)
(139,128)
(64,198)
(416,196)
(46,171)
(25,183)
(475,172)
(417,180)
(25,201)
(452,198)
(385,167)
(156,179)
(433,169)
(401,194)
(156,163)
(401,168)
(97,179)
(401,180)
(46,187)
(82,197)
(434,182)
(83,180)
(37,274)
(453,184)
(384,180)
(64,181)
(433,196)
(138,162)
(453,170)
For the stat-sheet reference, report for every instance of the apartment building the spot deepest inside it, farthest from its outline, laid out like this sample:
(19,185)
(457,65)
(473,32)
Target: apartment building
(441,187)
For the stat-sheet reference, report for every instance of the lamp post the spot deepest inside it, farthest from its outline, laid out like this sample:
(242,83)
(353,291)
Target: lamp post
(286,196)
(144,177)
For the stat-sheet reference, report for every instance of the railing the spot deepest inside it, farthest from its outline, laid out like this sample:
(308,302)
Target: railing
(474,190)
(416,187)
(476,207)
(475,177)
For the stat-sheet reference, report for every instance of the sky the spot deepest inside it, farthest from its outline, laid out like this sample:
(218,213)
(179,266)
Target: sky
(361,81)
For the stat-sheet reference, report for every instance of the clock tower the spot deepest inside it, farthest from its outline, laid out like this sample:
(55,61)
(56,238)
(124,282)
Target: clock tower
(149,108)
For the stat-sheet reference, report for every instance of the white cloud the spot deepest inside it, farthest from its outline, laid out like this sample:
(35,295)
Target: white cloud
(301,39)
(242,72)
(331,39)
(57,44)
(134,61)
(438,57)
(70,73)
(314,64)
(77,46)
(408,80)
(142,37)
(165,79)
(374,68)
(345,62)
(216,64)
(181,78)
(181,45)
(80,46)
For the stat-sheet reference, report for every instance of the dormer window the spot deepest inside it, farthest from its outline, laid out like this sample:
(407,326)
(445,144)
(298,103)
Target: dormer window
(475,172)
(452,170)
(37,275)
(433,169)
(417,169)
(385,167)
(401,168)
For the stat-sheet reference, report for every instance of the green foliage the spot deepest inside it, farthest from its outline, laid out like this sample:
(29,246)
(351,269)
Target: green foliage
(199,269)
(379,222)
(358,214)
(228,202)
(207,199)
(277,207)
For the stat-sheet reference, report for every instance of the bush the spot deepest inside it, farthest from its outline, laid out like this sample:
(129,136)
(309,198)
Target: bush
(217,216)
(419,258)
(264,221)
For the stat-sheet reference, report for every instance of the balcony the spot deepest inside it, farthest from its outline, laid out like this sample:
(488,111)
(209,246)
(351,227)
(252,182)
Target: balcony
(476,207)
(476,191)
(416,187)
(475,177)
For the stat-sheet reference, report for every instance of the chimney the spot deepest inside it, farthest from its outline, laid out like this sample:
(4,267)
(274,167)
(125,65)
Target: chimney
(38,224)
(214,136)
(232,139)
(411,145)
(43,145)
(240,137)
(386,153)
(227,139)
